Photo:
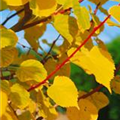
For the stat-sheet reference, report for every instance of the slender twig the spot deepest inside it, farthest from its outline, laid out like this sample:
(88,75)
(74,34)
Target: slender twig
(50,48)
(96,9)
(35,23)
(29,49)
(7,19)
(66,60)
(90,93)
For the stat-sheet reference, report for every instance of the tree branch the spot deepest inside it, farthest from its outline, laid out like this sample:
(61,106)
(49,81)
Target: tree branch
(26,18)
(66,60)
(44,59)
(45,19)
(90,93)
(7,19)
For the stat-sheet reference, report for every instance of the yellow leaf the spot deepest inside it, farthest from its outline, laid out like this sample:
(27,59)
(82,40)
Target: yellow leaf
(8,55)
(46,110)
(19,96)
(99,99)
(65,3)
(115,12)
(63,92)
(111,23)
(66,26)
(32,37)
(88,111)
(32,106)
(3,102)
(16,2)
(82,15)
(94,62)
(115,84)
(43,8)
(31,70)
(3,5)
(8,38)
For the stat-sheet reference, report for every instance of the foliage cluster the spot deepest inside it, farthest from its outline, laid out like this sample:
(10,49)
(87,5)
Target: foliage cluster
(37,86)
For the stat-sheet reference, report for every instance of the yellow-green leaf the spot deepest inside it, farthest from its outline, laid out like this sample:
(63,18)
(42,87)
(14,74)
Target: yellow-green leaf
(63,92)
(96,63)
(87,111)
(16,3)
(3,102)
(3,5)
(19,96)
(31,70)
(82,15)
(8,38)
(115,12)
(66,26)
(7,56)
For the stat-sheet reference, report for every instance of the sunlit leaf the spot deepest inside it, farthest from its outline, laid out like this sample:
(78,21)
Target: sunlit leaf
(94,62)
(67,92)
(31,70)
(7,56)
(115,12)
(16,3)
(66,26)
(43,8)
(82,15)
(3,102)
(8,38)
